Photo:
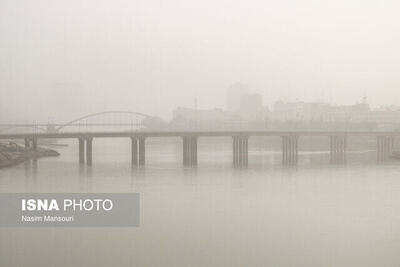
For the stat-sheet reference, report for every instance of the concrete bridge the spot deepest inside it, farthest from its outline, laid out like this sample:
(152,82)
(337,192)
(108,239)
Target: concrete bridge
(290,140)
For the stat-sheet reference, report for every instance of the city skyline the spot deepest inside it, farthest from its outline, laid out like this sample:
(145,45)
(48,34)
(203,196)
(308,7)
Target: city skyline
(65,97)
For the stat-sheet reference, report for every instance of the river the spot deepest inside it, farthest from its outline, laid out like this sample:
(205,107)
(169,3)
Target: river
(315,214)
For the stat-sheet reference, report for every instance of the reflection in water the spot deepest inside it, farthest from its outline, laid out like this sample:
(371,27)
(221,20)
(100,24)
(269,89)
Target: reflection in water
(34,168)
(30,171)
(85,178)
(315,214)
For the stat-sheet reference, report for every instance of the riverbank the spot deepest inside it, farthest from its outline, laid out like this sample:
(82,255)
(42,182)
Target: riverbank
(12,154)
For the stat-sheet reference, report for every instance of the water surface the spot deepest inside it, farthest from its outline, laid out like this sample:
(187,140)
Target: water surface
(315,214)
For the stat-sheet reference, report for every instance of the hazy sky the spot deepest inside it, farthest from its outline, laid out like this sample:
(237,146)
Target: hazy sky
(63,58)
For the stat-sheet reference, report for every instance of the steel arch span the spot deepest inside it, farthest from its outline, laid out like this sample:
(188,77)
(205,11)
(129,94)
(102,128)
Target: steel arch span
(102,113)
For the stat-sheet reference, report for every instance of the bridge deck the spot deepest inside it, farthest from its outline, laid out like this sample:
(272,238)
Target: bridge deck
(193,133)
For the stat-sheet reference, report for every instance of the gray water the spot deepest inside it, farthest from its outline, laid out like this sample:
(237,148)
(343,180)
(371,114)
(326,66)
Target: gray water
(316,214)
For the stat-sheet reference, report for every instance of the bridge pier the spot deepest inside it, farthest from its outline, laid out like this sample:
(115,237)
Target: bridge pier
(385,145)
(142,151)
(189,150)
(134,149)
(240,151)
(27,143)
(81,150)
(89,151)
(34,144)
(338,148)
(290,150)
(31,143)
(138,151)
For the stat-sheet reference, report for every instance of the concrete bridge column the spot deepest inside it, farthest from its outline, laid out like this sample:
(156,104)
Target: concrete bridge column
(27,143)
(334,148)
(296,149)
(240,151)
(343,151)
(81,150)
(193,149)
(385,146)
(184,150)
(290,150)
(142,151)
(189,150)
(338,148)
(34,144)
(344,148)
(134,150)
(246,150)
(284,147)
(391,146)
(235,151)
(379,156)
(89,151)
(380,148)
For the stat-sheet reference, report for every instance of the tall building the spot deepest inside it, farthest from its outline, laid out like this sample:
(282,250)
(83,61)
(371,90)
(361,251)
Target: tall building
(251,106)
(234,95)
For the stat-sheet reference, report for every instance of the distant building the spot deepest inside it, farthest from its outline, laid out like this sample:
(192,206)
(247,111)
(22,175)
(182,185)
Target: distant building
(234,95)
(320,112)
(247,107)
(300,111)
(199,114)
(202,119)
(384,116)
(349,113)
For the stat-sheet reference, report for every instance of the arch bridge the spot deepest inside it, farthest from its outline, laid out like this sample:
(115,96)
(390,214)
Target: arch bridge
(105,120)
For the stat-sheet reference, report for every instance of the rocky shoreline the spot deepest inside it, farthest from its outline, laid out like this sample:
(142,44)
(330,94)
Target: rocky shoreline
(12,154)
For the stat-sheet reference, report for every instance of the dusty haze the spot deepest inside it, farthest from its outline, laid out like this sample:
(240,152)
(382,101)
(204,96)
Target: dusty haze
(61,59)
